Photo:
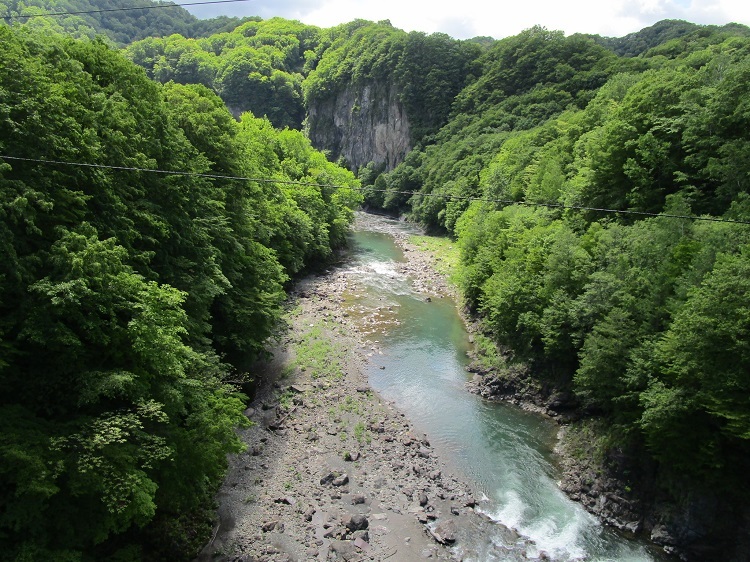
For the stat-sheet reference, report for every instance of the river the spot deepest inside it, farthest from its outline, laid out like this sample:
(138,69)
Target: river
(504,452)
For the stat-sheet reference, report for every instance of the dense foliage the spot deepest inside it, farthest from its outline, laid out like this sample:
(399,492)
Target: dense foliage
(115,19)
(666,31)
(428,70)
(522,81)
(645,319)
(129,300)
(278,67)
(258,66)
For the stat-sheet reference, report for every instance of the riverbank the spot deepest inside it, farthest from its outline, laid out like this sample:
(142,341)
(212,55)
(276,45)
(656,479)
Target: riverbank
(332,471)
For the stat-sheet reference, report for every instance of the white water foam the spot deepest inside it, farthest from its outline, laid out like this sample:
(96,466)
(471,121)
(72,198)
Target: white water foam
(571,536)
(553,537)
(383,275)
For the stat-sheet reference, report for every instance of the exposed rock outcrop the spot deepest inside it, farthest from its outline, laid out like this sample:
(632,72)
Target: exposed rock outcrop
(361,123)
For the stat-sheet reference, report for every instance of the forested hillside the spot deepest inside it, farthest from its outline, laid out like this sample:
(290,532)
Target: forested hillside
(131,301)
(279,68)
(571,154)
(665,31)
(115,19)
(258,66)
(597,188)
(428,71)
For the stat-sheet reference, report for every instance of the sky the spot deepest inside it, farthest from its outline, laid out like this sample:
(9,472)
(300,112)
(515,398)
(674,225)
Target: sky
(493,18)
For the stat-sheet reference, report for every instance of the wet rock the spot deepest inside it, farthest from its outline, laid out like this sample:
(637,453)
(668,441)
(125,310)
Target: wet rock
(632,527)
(445,532)
(561,401)
(661,535)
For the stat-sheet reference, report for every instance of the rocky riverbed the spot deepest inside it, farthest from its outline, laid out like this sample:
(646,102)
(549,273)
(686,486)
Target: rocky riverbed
(331,470)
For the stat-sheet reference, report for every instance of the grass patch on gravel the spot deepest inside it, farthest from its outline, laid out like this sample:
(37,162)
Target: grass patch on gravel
(444,251)
(318,355)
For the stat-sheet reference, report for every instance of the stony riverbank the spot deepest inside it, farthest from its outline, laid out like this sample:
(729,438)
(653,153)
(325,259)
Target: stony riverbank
(620,486)
(331,470)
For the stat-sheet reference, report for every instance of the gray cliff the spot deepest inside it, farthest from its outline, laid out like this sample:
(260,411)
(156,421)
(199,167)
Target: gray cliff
(361,123)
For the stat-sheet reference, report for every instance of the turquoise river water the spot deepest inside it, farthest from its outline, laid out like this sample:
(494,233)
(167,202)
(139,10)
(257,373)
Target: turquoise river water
(503,452)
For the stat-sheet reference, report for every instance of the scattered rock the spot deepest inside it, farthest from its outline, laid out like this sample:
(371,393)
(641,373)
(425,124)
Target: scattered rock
(351,456)
(361,544)
(345,549)
(277,479)
(356,522)
(287,500)
(340,480)
(272,525)
(445,532)
(361,534)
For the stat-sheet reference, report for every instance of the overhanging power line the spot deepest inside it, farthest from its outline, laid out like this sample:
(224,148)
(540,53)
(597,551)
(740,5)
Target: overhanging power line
(372,190)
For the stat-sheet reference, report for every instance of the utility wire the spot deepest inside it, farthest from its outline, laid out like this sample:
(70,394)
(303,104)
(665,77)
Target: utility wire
(103,10)
(171,172)
(372,190)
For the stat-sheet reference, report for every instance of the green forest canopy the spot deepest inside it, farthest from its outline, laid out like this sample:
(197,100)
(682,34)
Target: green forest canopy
(645,320)
(117,20)
(128,299)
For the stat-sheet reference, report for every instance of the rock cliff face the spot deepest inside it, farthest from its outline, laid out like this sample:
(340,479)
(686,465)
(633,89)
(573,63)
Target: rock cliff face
(365,123)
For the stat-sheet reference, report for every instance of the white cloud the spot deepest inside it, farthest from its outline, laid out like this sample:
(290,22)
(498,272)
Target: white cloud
(498,19)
